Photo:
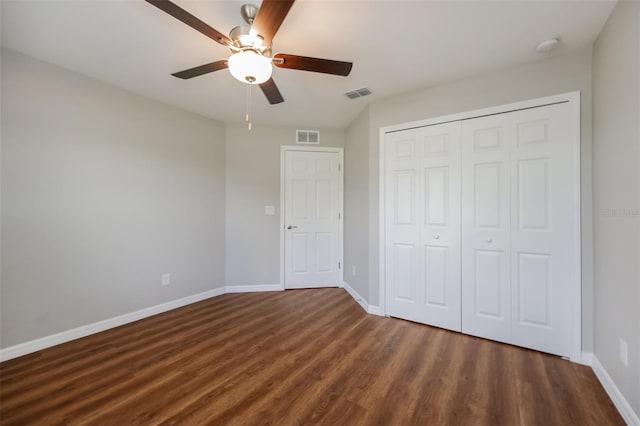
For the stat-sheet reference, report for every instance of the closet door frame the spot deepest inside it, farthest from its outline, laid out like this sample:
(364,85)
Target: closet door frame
(573,98)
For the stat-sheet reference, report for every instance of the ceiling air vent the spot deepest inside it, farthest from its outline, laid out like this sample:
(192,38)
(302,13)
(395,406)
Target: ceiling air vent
(309,137)
(358,93)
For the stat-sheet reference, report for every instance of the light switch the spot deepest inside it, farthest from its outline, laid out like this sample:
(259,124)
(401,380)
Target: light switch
(269,210)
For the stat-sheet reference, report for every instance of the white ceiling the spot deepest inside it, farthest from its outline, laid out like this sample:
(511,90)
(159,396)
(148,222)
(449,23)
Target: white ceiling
(396,46)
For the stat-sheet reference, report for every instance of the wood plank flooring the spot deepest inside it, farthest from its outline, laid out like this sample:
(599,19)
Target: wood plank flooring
(294,357)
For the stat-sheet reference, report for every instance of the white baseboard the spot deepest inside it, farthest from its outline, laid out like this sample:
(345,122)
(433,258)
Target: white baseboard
(370,309)
(621,403)
(356,296)
(586,358)
(96,327)
(253,288)
(375,310)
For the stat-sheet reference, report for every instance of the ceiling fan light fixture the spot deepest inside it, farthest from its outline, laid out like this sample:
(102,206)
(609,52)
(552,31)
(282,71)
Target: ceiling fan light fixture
(250,67)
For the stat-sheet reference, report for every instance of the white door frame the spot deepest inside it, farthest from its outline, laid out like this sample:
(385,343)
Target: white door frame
(340,152)
(573,98)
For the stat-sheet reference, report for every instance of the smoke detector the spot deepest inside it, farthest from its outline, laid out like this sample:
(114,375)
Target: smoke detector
(547,45)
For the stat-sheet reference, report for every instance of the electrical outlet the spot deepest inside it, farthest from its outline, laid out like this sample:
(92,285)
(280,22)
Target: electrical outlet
(166,279)
(624,352)
(353,270)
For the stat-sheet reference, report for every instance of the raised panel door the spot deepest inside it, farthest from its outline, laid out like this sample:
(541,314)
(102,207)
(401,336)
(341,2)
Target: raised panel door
(311,219)
(542,250)
(422,227)
(518,192)
(486,296)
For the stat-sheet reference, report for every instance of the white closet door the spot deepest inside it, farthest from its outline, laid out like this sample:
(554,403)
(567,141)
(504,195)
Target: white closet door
(422,247)
(486,296)
(518,202)
(543,173)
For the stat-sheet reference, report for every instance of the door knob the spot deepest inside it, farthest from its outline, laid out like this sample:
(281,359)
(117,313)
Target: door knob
(291,227)
(437,236)
(489,240)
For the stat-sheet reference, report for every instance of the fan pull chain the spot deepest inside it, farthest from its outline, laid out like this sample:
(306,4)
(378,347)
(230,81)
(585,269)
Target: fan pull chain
(248,114)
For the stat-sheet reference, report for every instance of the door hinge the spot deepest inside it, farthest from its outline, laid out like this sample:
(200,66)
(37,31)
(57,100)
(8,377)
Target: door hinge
(339,216)
(339,167)
(339,265)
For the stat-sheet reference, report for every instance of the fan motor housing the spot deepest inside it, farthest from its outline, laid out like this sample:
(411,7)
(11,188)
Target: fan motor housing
(243,39)
(248,12)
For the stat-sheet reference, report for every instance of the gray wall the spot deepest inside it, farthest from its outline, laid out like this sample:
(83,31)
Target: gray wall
(552,76)
(616,196)
(253,182)
(356,205)
(102,192)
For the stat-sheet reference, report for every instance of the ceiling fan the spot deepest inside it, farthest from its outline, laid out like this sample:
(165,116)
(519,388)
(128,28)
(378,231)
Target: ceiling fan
(251,61)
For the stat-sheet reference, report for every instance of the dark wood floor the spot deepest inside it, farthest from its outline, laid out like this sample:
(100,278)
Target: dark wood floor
(295,357)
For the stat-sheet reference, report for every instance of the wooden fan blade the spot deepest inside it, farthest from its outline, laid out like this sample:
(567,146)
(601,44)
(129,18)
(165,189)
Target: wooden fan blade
(270,17)
(305,63)
(271,91)
(195,23)
(202,69)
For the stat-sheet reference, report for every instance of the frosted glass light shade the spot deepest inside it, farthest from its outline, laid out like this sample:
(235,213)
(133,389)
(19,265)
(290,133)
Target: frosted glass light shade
(250,67)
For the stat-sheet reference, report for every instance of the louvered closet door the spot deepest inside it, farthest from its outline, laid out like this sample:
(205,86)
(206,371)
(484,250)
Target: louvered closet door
(518,200)
(422,242)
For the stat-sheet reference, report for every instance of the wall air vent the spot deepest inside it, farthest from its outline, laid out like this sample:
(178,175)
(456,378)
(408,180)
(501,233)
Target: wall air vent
(308,137)
(354,94)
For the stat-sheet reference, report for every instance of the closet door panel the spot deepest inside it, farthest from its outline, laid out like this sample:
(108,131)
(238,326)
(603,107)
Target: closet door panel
(543,191)
(518,201)
(440,231)
(486,295)
(402,223)
(422,241)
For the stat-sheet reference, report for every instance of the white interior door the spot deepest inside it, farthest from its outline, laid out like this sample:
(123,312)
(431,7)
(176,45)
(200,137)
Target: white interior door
(486,283)
(422,224)
(519,200)
(312,218)
(544,204)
